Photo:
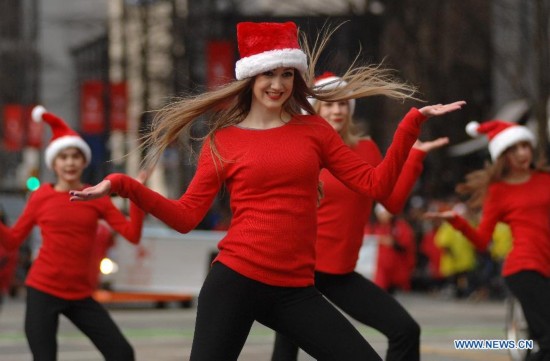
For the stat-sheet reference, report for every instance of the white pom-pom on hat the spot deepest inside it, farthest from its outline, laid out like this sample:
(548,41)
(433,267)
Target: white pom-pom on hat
(472,129)
(37,113)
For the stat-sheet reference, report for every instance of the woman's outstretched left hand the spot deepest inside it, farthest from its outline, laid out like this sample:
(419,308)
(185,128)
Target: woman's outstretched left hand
(440,109)
(430,145)
(442,216)
(100,190)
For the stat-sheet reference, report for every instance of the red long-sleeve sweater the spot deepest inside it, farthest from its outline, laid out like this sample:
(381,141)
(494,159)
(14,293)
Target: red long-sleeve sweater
(68,231)
(344,213)
(526,209)
(272,178)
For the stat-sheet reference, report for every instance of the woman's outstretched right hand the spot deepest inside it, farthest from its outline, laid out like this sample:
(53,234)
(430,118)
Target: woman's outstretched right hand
(100,190)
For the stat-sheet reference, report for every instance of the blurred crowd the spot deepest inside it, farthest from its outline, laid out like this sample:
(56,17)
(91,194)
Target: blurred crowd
(432,256)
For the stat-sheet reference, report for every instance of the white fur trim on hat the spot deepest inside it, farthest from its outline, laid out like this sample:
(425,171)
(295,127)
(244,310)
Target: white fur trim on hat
(61,143)
(508,137)
(269,60)
(330,83)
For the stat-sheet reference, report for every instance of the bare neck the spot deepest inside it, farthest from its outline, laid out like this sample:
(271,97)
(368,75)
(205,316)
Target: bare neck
(262,118)
(64,186)
(518,176)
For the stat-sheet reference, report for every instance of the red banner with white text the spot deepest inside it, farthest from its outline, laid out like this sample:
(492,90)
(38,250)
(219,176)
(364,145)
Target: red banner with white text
(14,126)
(92,107)
(119,104)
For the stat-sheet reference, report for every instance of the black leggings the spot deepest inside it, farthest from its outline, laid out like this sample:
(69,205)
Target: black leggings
(229,303)
(42,322)
(532,290)
(369,304)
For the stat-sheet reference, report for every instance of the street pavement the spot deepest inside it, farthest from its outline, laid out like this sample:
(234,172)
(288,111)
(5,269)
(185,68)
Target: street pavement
(166,334)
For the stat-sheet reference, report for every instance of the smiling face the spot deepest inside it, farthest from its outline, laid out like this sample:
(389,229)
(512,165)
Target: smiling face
(336,113)
(519,156)
(69,164)
(273,88)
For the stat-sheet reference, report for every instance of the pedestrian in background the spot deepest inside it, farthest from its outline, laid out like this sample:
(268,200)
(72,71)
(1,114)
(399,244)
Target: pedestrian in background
(269,156)
(8,264)
(341,219)
(513,190)
(396,250)
(59,281)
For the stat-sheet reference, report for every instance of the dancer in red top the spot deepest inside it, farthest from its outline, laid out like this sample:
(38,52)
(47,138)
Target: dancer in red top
(59,279)
(269,156)
(341,219)
(513,191)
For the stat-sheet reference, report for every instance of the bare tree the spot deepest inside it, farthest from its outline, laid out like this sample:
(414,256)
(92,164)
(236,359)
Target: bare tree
(521,60)
(542,75)
(443,47)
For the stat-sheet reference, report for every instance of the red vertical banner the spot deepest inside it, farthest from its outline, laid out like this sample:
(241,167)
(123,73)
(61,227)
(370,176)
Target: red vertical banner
(119,104)
(14,127)
(220,63)
(35,130)
(92,108)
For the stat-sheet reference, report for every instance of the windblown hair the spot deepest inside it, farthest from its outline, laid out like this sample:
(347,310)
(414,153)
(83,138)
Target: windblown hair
(477,182)
(229,104)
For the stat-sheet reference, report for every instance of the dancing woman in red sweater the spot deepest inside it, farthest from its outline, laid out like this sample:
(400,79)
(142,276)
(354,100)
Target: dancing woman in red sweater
(341,220)
(269,156)
(513,191)
(59,280)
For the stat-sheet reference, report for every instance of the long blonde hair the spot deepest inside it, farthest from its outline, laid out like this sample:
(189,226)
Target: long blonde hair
(230,103)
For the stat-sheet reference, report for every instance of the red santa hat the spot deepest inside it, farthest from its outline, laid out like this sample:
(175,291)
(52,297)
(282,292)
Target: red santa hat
(329,81)
(267,46)
(62,136)
(501,134)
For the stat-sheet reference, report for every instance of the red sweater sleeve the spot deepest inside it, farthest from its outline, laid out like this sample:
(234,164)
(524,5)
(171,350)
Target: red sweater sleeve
(375,182)
(185,213)
(482,235)
(129,229)
(405,183)
(11,238)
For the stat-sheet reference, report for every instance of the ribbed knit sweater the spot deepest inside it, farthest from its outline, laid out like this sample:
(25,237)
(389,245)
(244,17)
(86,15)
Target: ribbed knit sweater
(68,231)
(525,207)
(272,176)
(344,213)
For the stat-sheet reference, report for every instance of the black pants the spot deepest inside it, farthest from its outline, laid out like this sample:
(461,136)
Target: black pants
(369,304)
(533,293)
(229,303)
(42,322)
